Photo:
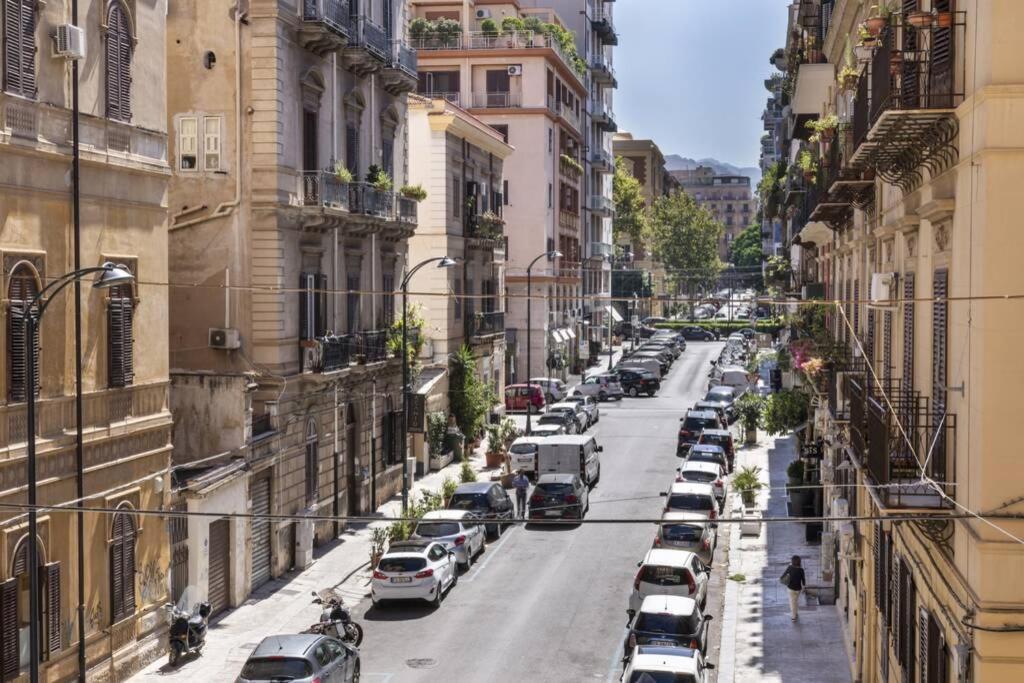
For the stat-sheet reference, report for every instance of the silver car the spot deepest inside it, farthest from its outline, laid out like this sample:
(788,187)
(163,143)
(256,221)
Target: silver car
(574,410)
(459,531)
(589,406)
(602,387)
(301,658)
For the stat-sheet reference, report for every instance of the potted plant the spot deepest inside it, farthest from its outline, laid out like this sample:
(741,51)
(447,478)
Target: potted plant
(807,165)
(867,40)
(447,31)
(342,174)
(378,543)
(944,19)
(825,127)
(920,18)
(495,455)
(878,17)
(420,28)
(795,472)
(748,482)
(489,27)
(749,408)
(415,192)
(847,78)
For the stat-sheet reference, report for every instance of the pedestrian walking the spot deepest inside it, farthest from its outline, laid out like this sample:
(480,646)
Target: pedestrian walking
(521,483)
(794,580)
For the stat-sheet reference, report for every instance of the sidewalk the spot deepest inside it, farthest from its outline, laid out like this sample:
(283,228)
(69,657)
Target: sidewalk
(759,642)
(284,605)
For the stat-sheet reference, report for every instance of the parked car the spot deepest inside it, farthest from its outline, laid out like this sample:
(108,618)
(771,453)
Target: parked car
(559,496)
(554,389)
(663,359)
(693,497)
(708,453)
(687,531)
(714,407)
(522,397)
(735,377)
(589,405)
(669,572)
(566,421)
(570,455)
(651,365)
(603,387)
(540,430)
(301,658)
(487,500)
(575,410)
(692,425)
(414,570)
(660,663)
(723,439)
(522,454)
(656,344)
(725,396)
(704,472)
(636,382)
(642,331)
(668,620)
(459,531)
(653,320)
(696,333)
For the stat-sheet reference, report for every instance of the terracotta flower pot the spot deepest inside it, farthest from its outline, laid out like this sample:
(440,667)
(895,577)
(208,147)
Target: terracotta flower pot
(944,19)
(920,19)
(874,25)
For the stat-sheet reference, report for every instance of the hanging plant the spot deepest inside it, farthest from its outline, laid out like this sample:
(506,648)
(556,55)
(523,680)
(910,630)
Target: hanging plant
(877,19)
(342,174)
(415,192)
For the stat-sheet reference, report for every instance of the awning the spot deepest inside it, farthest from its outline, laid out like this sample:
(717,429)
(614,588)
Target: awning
(613,313)
(817,232)
(570,333)
(557,334)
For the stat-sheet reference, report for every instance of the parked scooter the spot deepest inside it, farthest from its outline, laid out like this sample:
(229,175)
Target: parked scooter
(187,634)
(335,614)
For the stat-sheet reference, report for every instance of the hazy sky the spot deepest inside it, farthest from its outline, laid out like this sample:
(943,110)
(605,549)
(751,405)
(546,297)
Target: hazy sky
(691,73)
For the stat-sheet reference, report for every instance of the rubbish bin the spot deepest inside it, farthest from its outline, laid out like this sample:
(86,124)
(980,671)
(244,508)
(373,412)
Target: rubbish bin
(455,442)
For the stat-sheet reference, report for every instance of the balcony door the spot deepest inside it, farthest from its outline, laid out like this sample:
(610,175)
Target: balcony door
(498,88)
(309,140)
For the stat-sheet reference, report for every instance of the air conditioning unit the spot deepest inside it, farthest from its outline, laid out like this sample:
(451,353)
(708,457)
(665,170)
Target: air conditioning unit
(69,42)
(224,338)
(881,287)
(483,13)
(515,69)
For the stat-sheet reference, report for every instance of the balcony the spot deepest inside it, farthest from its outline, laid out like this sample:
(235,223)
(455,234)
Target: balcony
(602,205)
(601,250)
(602,72)
(602,160)
(335,352)
(479,40)
(325,26)
(602,116)
(497,100)
(322,189)
(812,290)
(400,74)
(452,97)
(484,227)
(904,116)
(406,210)
(602,24)
(567,269)
(369,47)
(561,109)
(481,325)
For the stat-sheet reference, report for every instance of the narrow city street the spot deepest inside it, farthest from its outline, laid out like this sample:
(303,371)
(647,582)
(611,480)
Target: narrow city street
(548,604)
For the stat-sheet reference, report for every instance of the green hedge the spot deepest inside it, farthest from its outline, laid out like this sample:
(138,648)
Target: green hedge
(725,327)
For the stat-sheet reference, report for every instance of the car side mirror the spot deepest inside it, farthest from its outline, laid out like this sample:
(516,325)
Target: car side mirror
(709,617)
(640,563)
(709,665)
(600,449)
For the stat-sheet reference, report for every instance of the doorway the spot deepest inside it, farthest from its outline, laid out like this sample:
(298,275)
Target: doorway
(351,458)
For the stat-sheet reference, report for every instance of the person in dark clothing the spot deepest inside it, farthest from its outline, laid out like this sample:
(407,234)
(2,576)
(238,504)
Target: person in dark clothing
(795,580)
(521,483)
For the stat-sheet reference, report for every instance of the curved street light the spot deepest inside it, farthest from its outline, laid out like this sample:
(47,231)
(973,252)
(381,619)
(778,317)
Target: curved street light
(550,255)
(442,262)
(107,275)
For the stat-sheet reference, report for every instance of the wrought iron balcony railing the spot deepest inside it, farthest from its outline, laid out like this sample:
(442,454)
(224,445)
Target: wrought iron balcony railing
(602,71)
(601,159)
(404,58)
(373,345)
(497,100)
(325,25)
(602,24)
(372,37)
(406,209)
(323,189)
(483,40)
(367,200)
(486,324)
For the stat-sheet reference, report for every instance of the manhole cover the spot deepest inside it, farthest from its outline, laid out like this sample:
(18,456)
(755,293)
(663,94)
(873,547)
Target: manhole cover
(421,663)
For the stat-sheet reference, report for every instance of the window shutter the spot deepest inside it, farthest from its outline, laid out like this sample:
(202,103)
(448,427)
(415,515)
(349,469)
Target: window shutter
(117,573)
(877,548)
(387,154)
(320,305)
(119,337)
(352,150)
(908,330)
(9,649)
(896,607)
(887,345)
(22,289)
(188,147)
(211,143)
(940,376)
(307,314)
(51,579)
(20,47)
(910,82)
(129,566)
(118,64)
(922,650)
(941,73)
(856,307)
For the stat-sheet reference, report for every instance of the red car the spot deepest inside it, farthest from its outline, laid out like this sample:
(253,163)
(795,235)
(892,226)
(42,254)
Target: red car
(524,397)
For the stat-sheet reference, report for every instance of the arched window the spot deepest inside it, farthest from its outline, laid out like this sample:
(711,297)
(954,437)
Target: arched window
(122,565)
(119,63)
(22,287)
(19,17)
(15,606)
(312,461)
(120,328)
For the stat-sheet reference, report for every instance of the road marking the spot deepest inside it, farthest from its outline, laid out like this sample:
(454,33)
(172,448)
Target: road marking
(617,656)
(491,552)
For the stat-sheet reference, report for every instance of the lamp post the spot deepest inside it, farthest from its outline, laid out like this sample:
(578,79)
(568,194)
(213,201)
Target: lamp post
(442,262)
(550,255)
(108,275)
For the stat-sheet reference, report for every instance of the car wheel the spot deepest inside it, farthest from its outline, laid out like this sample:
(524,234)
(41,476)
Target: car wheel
(651,394)
(465,566)
(633,392)
(438,597)
(577,393)
(355,673)
(455,580)
(602,396)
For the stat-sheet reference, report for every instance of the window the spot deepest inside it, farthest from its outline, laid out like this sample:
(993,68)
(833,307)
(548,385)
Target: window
(388,299)
(352,148)
(312,461)
(387,153)
(439,84)
(120,337)
(122,567)
(312,305)
(118,63)
(908,330)
(14,596)
(310,156)
(502,129)
(211,143)
(456,196)
(551,195)
(188,132)
(19,33)
(23,285)
(504,192)
(352,303)
(551,140)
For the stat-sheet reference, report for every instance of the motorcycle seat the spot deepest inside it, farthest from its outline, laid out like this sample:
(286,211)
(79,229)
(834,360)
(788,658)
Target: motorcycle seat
(195,620)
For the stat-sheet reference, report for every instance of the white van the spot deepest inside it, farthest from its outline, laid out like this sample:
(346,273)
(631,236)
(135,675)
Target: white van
(570,455)
(734,377)
(522,454)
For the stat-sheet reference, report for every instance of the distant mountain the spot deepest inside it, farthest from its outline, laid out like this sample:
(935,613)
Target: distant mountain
(674,162)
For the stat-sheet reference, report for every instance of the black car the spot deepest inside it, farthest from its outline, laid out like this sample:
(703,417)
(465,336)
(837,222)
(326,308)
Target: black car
(487,500)
(642,331)
(693,424)
(667,620)
(563,419)
(636,382)
(563,496)
(696,333)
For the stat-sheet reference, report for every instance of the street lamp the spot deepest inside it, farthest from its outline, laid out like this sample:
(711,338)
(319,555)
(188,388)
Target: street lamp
(550,255)
(108,275)
(442,262)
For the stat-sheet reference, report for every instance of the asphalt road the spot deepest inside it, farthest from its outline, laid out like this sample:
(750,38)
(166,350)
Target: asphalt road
(548,603)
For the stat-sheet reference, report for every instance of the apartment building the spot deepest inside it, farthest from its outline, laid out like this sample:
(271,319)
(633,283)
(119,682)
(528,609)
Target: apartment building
(727,197)
(772,147)
(523,82)
(446,141)
(288,237)
(906,221)
(126,422)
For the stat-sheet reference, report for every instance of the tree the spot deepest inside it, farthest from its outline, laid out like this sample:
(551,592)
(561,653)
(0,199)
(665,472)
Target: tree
(745,250)
(469,397)
(630,209)
(685,238)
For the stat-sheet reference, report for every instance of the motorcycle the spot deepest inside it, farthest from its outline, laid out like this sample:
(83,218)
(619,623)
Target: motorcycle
(187,634)
(333,614)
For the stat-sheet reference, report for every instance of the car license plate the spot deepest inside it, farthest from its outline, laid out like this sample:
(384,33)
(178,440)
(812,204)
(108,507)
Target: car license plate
(662,642)
(401,579)
(553,513)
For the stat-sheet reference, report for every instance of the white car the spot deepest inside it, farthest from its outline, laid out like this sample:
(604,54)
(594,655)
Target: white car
(554,389)
(603,387)
(522,454)
(458,530)
(414,570)
(589,406)
(703,472)
(653,663)
(577,412)
(670,572)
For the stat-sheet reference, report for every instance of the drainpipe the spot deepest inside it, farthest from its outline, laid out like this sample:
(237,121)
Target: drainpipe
(337,455)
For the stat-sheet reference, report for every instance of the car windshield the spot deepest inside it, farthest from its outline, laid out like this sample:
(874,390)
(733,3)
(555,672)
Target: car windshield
(698,475)
(468,501)
(705,456)
(523,448)
(690,501)
(664,576)
(721,394)
(435,529)
(681,533)
(276,669)
(553,488)
(695,424)
(551,418)
(662,623)
(401,564)
(714,440)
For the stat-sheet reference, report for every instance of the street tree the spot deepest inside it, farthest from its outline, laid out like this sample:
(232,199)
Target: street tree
(630,209)
(745,250)
(685,238)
